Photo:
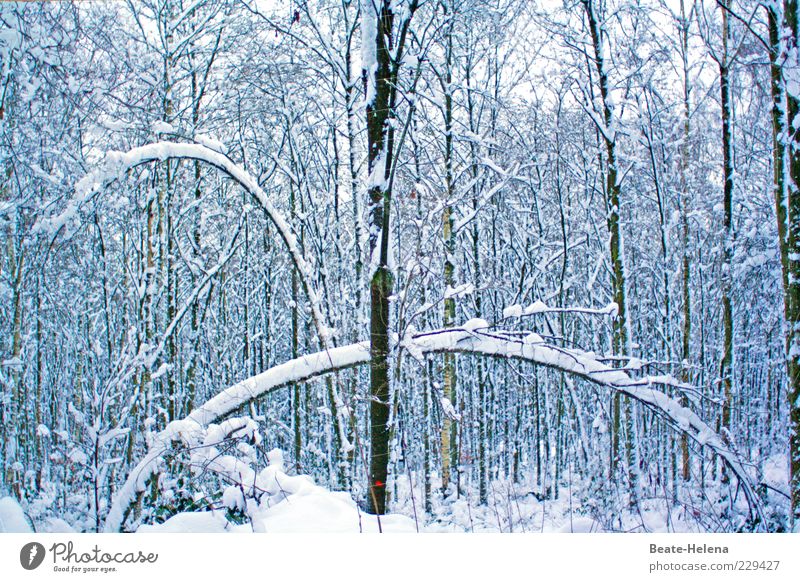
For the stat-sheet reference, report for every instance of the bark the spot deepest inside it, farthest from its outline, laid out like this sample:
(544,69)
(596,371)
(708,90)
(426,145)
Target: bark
(449,443)
(613,190)
(684,212)
(381,281)
(791,182)
(726,365)
(381,85)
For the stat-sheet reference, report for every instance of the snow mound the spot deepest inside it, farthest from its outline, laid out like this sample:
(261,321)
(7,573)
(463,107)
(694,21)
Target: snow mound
(287,503)
(12,518)
(536,307)
(55,525)
(197,522)
(475,324)
(319,510)
(776,472)
(580,524)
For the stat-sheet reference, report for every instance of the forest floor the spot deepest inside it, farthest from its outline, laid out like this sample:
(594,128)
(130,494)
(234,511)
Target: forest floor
(297,504)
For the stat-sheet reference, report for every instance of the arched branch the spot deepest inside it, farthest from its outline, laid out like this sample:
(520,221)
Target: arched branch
(223,404)
(116,164)
(471,339)
(586,365)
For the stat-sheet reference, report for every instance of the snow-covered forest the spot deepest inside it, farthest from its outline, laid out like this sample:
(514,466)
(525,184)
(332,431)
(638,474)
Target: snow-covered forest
(468,265)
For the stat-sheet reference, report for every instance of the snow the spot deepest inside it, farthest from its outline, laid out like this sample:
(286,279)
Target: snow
(319,510)
(580,525)
(369,60)
(585,365)
(114,124)
(111,434)
(10,39)
(377,177)
(539,306)
(162,127)
(192,428)
(475,323)
(296,370)
(532,338)
(289,504)
(635,364)
(55,525)
(211,143)
(323,512)
(78,457)
(460,291)
(233,498)
(535,307)
(791,75)
(117,163)
(486,196)
(12,518)
(776,472)
(197,522)
(162,369)
(521,507)
(449,410)
(526,231)
(16,363)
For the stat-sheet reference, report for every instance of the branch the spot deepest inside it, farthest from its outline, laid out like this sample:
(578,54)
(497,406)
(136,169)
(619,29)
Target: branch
(117,163)
(469,340)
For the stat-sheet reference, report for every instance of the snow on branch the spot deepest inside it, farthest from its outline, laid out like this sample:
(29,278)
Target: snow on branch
(506,177)
(475,340)
(297,370)
(369,48)
(538,307)
(220,406)
(117,163)
(472,338)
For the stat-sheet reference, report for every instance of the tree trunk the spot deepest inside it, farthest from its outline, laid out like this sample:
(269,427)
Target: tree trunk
(790,181)
(726,365)
(684,213)
(377,84)
(449,445)
(620,332)
(380,88)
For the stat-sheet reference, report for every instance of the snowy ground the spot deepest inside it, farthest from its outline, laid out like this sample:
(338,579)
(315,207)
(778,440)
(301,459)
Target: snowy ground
(294,503)
(309,508)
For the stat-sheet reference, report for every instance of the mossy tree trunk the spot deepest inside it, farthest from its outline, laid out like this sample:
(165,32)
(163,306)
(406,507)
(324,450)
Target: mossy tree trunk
(385,45)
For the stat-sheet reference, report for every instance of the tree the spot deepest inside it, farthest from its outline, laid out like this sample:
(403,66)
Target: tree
(608,127)
(787,179)
(385,29)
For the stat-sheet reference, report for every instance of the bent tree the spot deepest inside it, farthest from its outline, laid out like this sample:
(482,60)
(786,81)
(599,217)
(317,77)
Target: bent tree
(474,338)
